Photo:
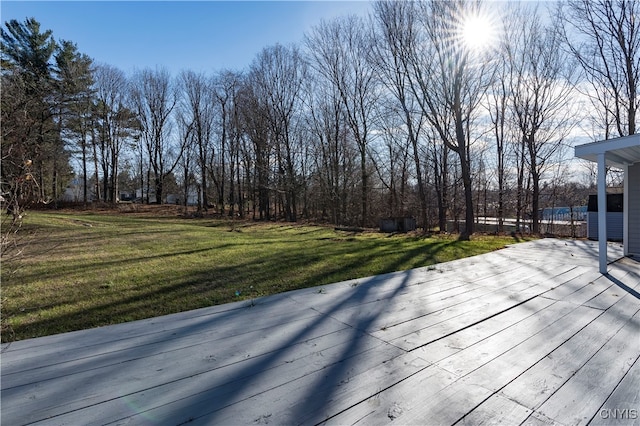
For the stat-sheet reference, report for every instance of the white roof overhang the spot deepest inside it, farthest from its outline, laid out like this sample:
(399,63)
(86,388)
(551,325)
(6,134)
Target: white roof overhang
(618,152)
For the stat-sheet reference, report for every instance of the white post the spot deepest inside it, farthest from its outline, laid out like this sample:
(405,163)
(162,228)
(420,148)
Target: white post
(625,209)
(602,213)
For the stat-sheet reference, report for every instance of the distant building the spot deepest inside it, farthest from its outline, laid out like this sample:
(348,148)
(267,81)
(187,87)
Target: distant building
(567,214)
(192,198)
(74,192)
(623,153)
(397,224)
(615,217)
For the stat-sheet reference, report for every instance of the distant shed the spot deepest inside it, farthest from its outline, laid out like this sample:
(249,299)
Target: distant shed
(397,224)
(615,217)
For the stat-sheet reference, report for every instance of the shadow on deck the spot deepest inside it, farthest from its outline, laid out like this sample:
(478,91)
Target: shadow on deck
(516,336)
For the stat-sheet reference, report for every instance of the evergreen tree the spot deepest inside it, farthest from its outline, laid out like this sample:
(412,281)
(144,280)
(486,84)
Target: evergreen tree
(28,134)
(74,84)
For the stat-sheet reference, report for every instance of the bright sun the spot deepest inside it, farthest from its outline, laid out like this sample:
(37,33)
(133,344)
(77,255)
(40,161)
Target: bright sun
(478,31)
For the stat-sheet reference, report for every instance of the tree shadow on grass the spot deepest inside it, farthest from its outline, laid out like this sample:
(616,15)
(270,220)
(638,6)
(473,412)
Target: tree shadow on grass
(258,276)
(203,392)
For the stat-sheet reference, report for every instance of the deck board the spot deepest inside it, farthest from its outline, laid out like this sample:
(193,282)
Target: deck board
(623,405)
(164,370)
(453,343)
(531,334)
(62,347)
(539,382)
(581,397)
(491,363)
(494,410)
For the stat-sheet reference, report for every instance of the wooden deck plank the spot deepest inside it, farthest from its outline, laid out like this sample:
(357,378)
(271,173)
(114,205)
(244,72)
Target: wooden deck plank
(510,364)
(537,419)
(474,356)
(578,252)
(432,286)
(390,404)
(507,366)
(495,411)
(589,291)
(446,407)
(93,341)
(475,302)
(538,383)
(18,366)
(586,391)
(453,343)
(99,335)
(623,405)
(181,348)
(208,394)
(451,320)
(151,370)
(324,398)
(406,306)
(585,277)
(461,396)
(612,293)
(411,331)
(519,335)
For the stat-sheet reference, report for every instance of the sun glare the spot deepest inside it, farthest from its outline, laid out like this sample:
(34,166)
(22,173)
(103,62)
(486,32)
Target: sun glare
(478,31)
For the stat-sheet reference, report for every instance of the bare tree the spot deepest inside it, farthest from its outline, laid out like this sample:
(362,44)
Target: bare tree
(196,111)
(397,29)
(188,160)
(604,37)
(497,107)
(448,81)
(333,157)
(278,73)
(390,152)
(227,91)
(223,88)
(259,149)
(110,85)
(114,123)
(540,98)
(338,51)
(439,154)
(155,97)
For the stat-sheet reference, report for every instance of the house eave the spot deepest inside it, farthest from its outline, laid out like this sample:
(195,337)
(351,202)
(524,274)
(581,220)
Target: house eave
(618,152)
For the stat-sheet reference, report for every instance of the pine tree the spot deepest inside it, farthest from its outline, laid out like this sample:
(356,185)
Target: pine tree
(28,126)
(74,87)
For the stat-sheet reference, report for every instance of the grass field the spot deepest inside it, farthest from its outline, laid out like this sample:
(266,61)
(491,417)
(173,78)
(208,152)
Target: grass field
(88,269)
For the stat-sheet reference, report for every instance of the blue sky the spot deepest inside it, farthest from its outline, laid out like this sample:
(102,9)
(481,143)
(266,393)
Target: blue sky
(201,35)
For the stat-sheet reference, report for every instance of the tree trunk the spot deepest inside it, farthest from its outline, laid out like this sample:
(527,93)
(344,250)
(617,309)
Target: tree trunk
(465,170)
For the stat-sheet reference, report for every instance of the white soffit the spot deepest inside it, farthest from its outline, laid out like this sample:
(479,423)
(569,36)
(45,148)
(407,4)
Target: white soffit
(618,152)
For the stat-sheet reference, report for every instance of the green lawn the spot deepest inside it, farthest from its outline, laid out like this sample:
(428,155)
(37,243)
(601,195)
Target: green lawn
(83,270)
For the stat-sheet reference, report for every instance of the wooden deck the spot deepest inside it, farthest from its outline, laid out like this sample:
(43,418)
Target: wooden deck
(531,334)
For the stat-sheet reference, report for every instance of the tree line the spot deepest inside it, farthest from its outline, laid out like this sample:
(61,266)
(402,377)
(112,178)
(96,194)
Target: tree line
(392,114)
